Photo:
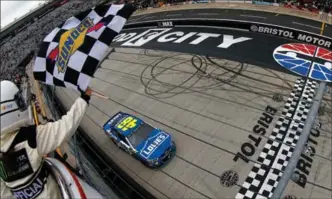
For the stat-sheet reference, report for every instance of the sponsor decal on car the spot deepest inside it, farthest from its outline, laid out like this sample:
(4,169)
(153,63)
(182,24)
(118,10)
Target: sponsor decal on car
(148,149)
(114,118)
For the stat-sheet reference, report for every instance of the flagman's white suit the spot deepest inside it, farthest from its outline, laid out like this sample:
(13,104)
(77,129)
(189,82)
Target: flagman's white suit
(45,138)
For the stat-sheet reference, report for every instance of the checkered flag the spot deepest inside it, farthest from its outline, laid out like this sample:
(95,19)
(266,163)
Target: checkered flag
(71,53)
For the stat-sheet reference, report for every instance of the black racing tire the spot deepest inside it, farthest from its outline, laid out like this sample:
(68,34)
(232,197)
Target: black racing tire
(116,144)
(145,164)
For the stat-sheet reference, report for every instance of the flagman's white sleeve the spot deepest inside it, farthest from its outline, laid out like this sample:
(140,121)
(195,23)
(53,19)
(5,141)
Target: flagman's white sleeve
(5,191)
(52,134)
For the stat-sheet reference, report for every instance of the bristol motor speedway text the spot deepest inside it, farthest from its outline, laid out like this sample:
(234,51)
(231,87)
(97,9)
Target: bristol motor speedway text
(292,35)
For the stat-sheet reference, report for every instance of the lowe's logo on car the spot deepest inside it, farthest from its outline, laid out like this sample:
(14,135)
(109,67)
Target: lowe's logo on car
(158,140)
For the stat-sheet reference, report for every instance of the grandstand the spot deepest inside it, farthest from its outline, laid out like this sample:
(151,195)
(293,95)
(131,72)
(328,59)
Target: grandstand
(22,22)
(21,39)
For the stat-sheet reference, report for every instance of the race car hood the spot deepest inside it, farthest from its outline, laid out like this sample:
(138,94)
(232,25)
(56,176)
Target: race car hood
(155,145)
(112,123)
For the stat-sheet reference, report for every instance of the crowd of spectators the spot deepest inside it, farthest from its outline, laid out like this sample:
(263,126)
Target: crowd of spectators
(16,49)
(310,5)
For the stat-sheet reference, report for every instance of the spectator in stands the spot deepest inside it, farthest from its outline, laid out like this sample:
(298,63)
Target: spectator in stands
(15,49)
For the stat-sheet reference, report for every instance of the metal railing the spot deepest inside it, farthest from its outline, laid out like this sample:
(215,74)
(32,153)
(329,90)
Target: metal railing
(65,193)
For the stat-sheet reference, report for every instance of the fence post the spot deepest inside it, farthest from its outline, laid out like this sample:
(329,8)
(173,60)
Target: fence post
(289,170)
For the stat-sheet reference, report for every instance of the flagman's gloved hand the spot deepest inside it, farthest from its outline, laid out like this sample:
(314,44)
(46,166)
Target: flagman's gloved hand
(86,95)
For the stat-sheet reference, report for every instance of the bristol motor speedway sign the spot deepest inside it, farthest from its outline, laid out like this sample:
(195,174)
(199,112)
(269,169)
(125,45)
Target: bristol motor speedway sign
(293,34)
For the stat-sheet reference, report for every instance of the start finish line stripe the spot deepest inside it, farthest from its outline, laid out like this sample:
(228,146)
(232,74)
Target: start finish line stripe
(263,178)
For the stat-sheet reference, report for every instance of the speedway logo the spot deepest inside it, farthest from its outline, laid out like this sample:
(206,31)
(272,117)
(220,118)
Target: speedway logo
(306,60)
(70,41)
(147,150)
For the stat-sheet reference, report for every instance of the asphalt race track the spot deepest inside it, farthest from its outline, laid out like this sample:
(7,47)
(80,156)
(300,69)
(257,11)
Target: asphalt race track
(223,97)
(245,15)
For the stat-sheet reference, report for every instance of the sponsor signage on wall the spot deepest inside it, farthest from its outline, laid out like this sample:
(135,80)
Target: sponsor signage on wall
(274,30)
(293,34)
(165,24)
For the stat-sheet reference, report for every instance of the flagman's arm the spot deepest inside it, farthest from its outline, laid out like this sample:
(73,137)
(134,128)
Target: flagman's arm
(52,134)
(5,191)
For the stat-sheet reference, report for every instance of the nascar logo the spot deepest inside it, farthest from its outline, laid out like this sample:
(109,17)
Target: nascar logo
(6,107)
(159,139)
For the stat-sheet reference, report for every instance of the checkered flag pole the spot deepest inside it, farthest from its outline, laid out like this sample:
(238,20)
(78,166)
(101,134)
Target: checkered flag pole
(97,94)
(71,53)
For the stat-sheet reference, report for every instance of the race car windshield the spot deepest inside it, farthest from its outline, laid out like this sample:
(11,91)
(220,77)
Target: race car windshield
(140,134)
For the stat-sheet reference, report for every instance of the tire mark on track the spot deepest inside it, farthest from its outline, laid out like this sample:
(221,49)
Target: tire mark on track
(180,131)
(198,92)
(221,81)
(290,82)
(195,91)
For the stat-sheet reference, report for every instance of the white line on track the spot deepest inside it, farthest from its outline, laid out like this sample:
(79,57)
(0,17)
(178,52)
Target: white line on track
(253,16)
(172,15)
(214,27)
(207,13)
(140,28)
(301,24)
(138,18)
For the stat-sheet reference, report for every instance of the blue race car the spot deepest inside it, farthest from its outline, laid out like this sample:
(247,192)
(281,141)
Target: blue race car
(152,146)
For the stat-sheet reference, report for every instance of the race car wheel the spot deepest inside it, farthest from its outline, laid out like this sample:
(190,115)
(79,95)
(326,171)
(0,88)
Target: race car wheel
(119,145)
(114,142)
(144,163)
